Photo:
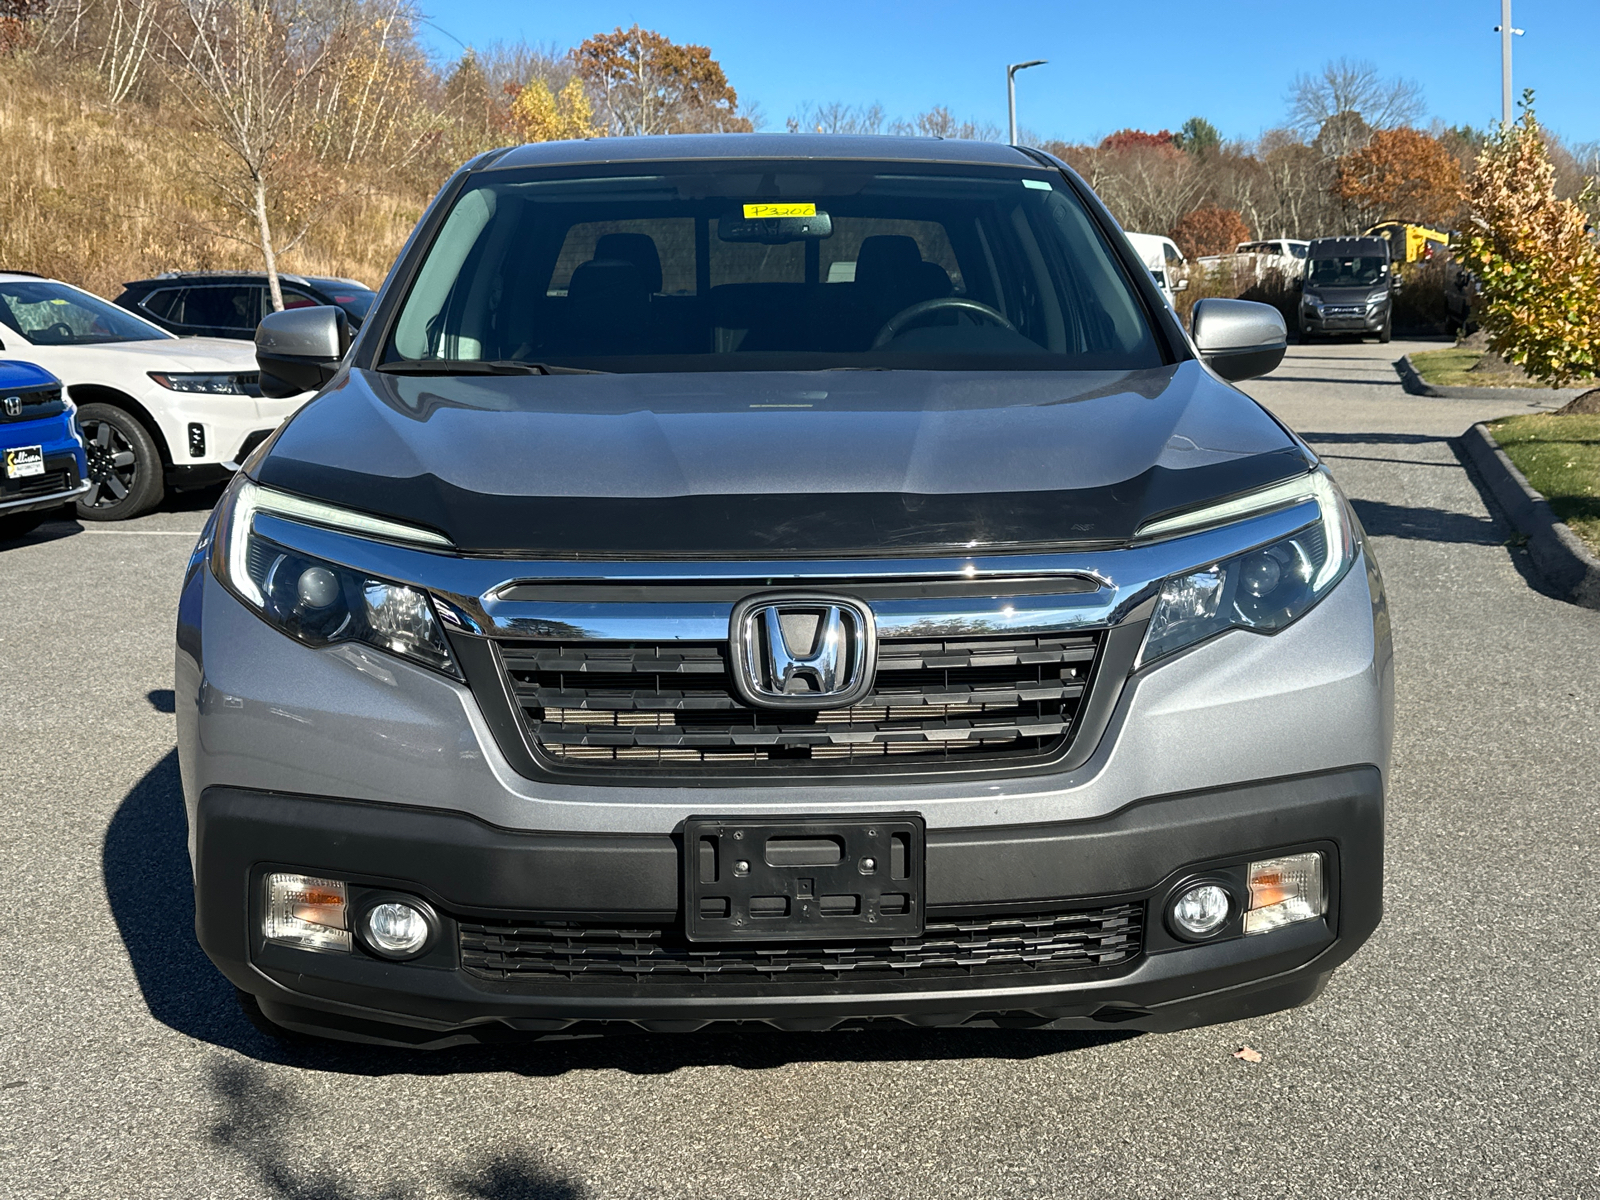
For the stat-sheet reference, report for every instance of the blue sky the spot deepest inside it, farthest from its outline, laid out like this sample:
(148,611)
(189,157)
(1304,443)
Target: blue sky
(1143,63)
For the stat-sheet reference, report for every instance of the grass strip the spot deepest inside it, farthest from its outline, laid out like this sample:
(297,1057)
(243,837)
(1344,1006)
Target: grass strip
(1560,456)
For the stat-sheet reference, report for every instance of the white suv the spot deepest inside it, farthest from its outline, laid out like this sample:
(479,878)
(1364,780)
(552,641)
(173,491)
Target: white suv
(156,411)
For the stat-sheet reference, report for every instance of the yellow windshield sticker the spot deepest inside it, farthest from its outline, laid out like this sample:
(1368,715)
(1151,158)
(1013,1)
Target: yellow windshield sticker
(780,210)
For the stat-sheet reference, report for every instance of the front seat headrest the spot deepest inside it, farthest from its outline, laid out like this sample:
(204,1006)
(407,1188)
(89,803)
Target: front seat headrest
(637,248)
(888,259)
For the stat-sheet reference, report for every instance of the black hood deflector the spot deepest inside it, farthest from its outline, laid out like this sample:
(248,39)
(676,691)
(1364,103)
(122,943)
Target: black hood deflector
(773,465)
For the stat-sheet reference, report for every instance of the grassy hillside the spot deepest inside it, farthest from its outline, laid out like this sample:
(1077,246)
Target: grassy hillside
(98,196)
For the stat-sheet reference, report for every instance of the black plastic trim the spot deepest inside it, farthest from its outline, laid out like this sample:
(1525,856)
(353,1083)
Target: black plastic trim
(1144,849)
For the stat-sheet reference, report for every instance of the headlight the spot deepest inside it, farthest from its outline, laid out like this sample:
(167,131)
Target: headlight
(318,602)
(215,385)
(1263,589)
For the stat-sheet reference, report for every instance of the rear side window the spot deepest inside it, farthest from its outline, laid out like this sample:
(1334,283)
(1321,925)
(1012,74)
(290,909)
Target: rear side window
(160,302)
(233,307)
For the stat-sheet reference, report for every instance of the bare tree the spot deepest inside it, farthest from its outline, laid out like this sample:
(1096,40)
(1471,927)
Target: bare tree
(126,48)
(1348,86)
(837,118)
(246,69)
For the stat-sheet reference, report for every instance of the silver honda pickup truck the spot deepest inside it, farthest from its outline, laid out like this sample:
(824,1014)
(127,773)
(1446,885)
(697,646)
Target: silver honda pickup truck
(811,582)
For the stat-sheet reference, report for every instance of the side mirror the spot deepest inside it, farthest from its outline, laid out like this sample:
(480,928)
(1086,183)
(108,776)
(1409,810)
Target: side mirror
(300,349)
(1240,339)
(1181,286)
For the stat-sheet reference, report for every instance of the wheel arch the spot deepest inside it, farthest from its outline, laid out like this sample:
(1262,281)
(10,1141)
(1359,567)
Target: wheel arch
(99,393)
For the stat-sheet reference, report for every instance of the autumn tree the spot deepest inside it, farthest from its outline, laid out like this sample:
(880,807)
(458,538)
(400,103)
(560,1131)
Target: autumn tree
(644,83)
(1210,230)
(539,116)
(1138,139)
(474,118)
(17,18)
(1538,270)
(1401,175)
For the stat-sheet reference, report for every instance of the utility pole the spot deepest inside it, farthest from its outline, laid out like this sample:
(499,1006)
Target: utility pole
(1505,31)
(1010,87)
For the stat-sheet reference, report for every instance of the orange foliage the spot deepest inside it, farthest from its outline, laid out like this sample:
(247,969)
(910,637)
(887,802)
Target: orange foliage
(1210,229)
(1402,175)
(1129,139)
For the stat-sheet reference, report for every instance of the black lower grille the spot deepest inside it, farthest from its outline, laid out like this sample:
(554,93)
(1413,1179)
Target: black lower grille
(662,958)
(624,705)
(38,485)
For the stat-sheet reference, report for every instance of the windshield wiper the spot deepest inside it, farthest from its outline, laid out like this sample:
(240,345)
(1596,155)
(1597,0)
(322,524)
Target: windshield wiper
(479,366)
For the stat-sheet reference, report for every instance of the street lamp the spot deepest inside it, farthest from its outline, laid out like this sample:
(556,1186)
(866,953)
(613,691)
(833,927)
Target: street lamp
(1505,30)
(1010,88)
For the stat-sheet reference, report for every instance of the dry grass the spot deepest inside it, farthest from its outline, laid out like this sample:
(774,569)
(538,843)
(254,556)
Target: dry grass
(99,196)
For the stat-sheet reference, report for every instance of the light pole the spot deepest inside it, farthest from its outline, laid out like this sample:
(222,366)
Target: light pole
(1010,87)
(1505,31)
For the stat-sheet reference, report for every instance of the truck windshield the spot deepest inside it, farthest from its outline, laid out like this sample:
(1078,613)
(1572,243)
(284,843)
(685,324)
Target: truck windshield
(1347,272)
(773,266)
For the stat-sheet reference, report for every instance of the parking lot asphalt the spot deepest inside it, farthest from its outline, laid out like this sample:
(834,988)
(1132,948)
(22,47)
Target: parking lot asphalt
(1458,1054)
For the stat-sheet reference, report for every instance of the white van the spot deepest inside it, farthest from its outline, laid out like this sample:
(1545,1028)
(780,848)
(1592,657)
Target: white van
(1165,260)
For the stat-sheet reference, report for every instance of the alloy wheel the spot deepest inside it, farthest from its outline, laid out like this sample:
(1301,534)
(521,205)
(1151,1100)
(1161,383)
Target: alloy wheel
(112,464)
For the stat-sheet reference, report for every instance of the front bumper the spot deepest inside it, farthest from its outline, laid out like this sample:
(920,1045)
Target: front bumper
(472,871)
(64,468)
(1370,321)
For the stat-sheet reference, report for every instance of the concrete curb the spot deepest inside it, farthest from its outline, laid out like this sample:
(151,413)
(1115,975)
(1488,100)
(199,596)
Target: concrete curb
(1414,383)
(1558,553)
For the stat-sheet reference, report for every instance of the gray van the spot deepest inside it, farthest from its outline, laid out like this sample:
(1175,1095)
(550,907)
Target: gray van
(1349,288)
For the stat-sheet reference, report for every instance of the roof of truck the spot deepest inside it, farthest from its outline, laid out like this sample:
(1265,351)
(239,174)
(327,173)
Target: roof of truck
(1351,245)
(686,147)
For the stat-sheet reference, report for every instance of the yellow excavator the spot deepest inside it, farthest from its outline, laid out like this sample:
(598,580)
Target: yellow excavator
(1408,243)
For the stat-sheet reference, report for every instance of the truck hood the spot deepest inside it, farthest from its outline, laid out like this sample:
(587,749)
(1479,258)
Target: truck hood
(1346,295)
(738,465)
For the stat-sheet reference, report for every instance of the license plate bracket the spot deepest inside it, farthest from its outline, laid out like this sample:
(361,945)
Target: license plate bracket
(803,878)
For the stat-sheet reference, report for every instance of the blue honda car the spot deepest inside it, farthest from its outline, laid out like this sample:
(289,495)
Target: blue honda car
(42,464)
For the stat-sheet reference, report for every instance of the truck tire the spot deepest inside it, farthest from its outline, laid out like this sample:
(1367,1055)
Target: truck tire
(1387,331)
(124,465)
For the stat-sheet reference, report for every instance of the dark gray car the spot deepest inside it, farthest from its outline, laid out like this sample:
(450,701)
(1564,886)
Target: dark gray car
(812,581)
(1349,288)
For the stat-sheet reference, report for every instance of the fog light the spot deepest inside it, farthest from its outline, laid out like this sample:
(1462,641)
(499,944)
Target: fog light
(396,929)
(307,912)
(1286,890)
(1201,910)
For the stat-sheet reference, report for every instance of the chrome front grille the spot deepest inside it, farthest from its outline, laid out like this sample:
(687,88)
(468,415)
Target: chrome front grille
(935,701)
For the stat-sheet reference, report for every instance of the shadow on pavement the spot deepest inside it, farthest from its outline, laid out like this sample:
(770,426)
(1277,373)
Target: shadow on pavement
(48,531)
(148,883)
(266,1125)
(1381,519)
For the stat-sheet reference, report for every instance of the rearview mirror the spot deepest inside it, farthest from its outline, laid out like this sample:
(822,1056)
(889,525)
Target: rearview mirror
(774,223)
(1240,339)
(300,349)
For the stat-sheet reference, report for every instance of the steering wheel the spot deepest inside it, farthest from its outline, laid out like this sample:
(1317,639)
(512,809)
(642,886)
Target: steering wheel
(892,327)
(61,329)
